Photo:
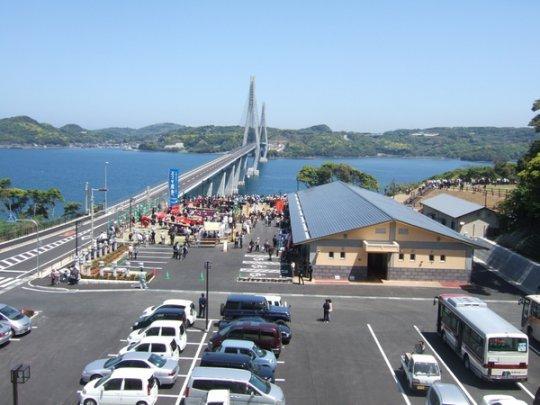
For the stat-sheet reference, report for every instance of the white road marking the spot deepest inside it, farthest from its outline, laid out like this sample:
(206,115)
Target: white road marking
(529,393)
(7,282)
(123,340)
(280,362)
(189,358)
(262,263)
(14,339)
(184,385)
(400,388)
(445,366)
(13,271)
(167,395)
(36,313)
(280,379)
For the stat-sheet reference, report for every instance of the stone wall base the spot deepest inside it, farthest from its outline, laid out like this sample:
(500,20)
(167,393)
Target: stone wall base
(424,274)
(352,273)
(359,273)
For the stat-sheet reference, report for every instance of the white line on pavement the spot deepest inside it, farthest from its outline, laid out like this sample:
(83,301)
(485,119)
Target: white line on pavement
(400,388)
(280,379)
(445,366)
(14,339)
(12,271)
(529,393)
(181,394)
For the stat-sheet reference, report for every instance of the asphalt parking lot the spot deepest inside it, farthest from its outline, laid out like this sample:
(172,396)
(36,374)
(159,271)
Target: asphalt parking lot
(354,359)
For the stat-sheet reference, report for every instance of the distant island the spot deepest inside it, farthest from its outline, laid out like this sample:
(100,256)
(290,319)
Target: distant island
(466,143)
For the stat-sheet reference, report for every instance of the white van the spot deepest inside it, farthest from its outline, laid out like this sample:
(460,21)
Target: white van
(275,300)
(174,329)
(186,305)
(130,386)
(163,346)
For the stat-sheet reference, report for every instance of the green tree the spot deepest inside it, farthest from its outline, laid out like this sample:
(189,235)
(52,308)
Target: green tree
(522,208)
(43,201)
(14,199)
(5,183)
(71,209)
(329,172)
(535,122)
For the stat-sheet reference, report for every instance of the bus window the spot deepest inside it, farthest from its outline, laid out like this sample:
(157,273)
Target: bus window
(505,344)
(525,312)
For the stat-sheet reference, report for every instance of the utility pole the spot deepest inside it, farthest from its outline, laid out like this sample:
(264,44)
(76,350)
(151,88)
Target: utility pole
(77,239)
(86,188)
(106,190)
(92,214)
(130,214)
(208,266)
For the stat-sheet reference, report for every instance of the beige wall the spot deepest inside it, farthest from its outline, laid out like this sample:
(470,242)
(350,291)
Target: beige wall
(357,256)
(454,259)
(353,256)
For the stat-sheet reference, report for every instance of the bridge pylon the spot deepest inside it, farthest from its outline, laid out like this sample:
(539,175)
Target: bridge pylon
(251,128)
(263,134)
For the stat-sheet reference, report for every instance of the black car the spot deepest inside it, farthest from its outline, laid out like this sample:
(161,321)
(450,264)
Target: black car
(170,314)
(241,305)
(234,360)
(285,330)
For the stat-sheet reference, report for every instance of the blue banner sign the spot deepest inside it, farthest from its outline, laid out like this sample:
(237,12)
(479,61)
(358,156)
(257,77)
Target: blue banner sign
(174,186)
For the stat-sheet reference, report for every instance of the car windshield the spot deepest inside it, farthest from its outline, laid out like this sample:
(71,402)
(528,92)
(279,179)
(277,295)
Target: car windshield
(112,362)
(11,313)
(224,331)
(259,352)
(102,380)
(259,383)
(428,369)
(507,344)
(156,360)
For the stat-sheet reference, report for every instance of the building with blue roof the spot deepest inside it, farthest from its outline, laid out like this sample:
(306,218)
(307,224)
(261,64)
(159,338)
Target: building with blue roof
(347,232)
(466,217)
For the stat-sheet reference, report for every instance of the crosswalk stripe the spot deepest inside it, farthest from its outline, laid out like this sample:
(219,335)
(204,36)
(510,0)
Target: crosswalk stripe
(245,270)
(7,282)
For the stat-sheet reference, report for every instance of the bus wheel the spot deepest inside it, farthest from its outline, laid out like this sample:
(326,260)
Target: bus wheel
(466,362)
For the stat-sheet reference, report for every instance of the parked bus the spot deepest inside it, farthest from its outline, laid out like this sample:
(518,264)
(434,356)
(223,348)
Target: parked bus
(530,316)
(489,346)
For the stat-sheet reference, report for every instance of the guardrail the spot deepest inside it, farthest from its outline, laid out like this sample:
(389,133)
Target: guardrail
(122,205)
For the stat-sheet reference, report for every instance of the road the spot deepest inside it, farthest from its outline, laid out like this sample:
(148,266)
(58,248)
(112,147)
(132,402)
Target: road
(18,262)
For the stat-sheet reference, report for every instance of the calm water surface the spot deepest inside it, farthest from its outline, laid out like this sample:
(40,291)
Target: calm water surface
(130,172)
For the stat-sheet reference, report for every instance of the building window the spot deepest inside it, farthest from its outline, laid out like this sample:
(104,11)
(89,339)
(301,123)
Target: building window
(453,225)
(401,256)
(443,221)
(342,255)
(443,258)
(412,257)
(331,255)
(431,258)
(403,231)
(380,230)
(345,236)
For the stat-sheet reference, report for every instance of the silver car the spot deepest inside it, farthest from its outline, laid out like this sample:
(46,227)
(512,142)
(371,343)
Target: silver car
(19,323)
(165,370)
(5,332)
(444,393)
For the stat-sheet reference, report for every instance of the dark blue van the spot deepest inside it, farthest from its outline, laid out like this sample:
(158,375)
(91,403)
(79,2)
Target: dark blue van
(239,361)
(241,305)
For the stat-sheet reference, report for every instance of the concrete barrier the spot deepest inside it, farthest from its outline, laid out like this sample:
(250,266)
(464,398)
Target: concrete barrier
(510,266)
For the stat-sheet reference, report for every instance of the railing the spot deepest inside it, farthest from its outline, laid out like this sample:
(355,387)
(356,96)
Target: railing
(9,231)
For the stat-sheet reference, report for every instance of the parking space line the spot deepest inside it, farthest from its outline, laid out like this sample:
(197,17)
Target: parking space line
(280,379)
(112,355)
(281,362)
(14,339)
(529,393)
(191,367)
(401,390)
(167,396)
(123,340)
(189,358)
(445,366)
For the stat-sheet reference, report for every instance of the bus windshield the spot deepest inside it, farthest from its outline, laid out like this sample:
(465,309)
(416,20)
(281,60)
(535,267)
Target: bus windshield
(507,344)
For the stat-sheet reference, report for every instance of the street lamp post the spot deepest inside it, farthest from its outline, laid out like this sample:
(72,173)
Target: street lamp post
(207,266)
(106,190)
(37,240)
(92,214)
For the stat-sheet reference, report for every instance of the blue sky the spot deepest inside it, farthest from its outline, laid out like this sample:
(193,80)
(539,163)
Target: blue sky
(354,65)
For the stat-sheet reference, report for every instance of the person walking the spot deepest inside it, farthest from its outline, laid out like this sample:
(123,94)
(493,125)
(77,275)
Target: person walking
(241,239)
(184,251)
(270,252)
(310,272)
(301,276)
(135,252)
(326,311)
(130,251)
(202,306)
(142,279)
(175,251)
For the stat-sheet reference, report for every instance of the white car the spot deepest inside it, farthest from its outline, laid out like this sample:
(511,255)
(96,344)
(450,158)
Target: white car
(421,370)
(160,345)
(130,386)
(166,328)
(187,306)
(275,300)
(501,400)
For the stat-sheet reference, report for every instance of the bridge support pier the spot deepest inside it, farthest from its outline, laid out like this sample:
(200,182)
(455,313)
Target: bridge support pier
(243,171)
(208,188)
(231,177)
(222,183)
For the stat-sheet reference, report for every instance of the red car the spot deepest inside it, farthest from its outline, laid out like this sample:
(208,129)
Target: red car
(265,335)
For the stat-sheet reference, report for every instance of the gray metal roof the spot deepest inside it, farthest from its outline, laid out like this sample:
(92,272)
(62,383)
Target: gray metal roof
(339,207)
(452,206)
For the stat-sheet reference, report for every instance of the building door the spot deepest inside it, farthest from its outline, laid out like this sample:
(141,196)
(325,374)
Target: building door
(377,265)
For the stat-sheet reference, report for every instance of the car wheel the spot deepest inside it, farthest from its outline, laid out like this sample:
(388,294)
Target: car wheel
(466,362)
(89,402)
(94,377)
(142,403)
